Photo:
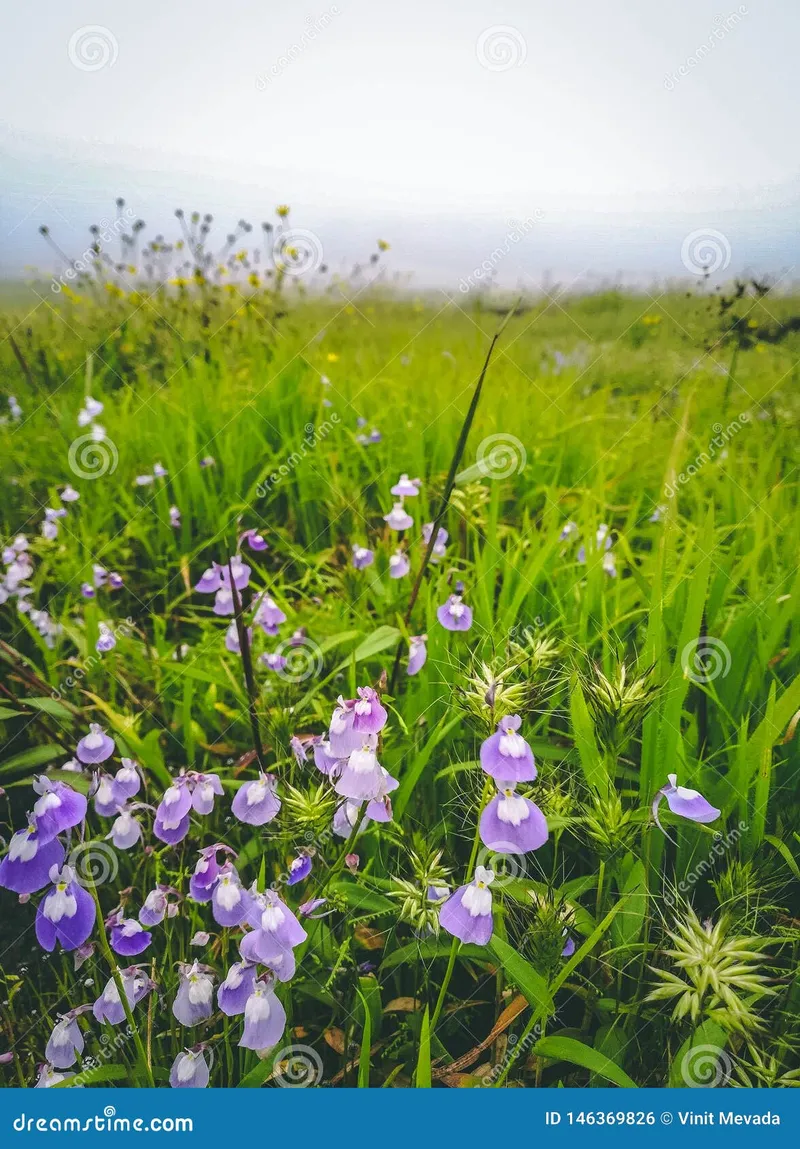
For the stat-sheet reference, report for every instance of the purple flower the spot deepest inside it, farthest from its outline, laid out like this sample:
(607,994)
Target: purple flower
(362,557)
(206,872)
(126,830)
(194,999)
(99,575)
(684,802)
(66,1042)
(268,615)
(369,717)
(239,570)
(275,934)
(95,746)
(399,565)
(256,803)
(398,518)
(223,602)
(66,914)
(568,530)
(58,808)
(264,1018)
(175,517)
(506,756)
(569,946)
(232,638)
(455,614)
(69,495)
(511,824)
(255,541)
(306,910)
(189,1070)
(204,788)
(210,580)
(109,1007)
(26,867)
(440,546)
(106,800)
(405,487)
(115,581)
(229,901)
(128,937)
(361,778)
(417,653)
(379,808)
(154,908)
(127,781)
(345,818)
(299,869)
(467,914)
(342,738)
(207,461)
(106,640)
(324,761)
(49,1076)
(234,991)
(172,815)
(159,472)
(273,661)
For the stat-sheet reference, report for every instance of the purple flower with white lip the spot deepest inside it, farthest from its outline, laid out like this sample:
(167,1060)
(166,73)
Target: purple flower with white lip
(106,639)
(324,761)
(440,546)
(223,602)
(467,914)
(399,565)
(569,946)
(398,518)
(189,1070)
(300,750)
(511,824)
(506,756)
(417,653)
(256,803)
(195,997)
(568,530)
(273,661)
(204,788)
(268,615)
(160,472)
(207,461)
(127,781)
(115,581)
(405,487)
(126,830)
(342,737)
(264,1018)
(306,910)
(154,907)
(206,872)
(57,808)
(172,816)
(99,575)
(255,541)
(109,1007)
(49,529)
(374,436)
(144,480)
(26,867)
(299,868)
(239,570)
(232,638)
(106,800)
(455,614)
(362,557)
(66,914)
(50,1076)
(369,717)
(234,991)
(128,937)
(361,777)
(210,580)
(276,929)
(174,517)
(69,495)
(95,746)
(229,901)
(684,802)
(345,818)
(379,808)
(66,1042)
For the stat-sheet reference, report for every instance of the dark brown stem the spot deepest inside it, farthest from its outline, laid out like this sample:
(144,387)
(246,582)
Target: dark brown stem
(247,664)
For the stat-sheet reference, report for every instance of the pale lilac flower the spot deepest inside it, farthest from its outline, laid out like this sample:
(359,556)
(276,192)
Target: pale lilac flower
(398,518)
(154,907)
(362,777)
(49,529)
(210,580)
(172,815)
(229,900)
(268,615)
(275,934)
(115,581)
(106,800)
(200,938)
(506,756)
(455,614)
(399,565)
(106,640)
(65,1043)
(467,914)
(87,590)
(144,480)
(126,830)
(273,661)
(127,781)
(440,546)
(232,638)
(194,999)
(26,867)
(69,494)
(99,575)
(189,1070)
(223,602)
(299,868)
(175,517)
(159,471)
(204,788)
(324,761)
(511,824)
(362,557)
(57,808)
(264,1018)
(207,461)
(256,803)
(405,487)
(569,946)
(50,1076)
(128,937)
(417,653)
(684,802)
(66,914)
(234,991)
(109,1007)
(95,746)
(255,541)
(240,571)
(568,530)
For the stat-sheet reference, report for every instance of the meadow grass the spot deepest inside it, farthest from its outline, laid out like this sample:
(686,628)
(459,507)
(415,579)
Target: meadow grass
(678,654)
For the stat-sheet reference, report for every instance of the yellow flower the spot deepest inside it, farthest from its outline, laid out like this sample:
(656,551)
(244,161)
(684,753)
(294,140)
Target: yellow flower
(282,210)
(332,357)
(383,245)
(252,279)
(651,320)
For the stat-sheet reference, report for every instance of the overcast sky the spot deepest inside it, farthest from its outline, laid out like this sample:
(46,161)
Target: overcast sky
(453,117)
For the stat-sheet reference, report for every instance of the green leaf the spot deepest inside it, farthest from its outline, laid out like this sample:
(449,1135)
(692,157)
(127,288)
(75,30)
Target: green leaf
(429,949)
(412,775)
(522,973)
(30,759)
(360,898)
(422,1078)
(591,760)
(259,1073)
(690,1069)
(574,1051)
(94,1077)
(366,1042)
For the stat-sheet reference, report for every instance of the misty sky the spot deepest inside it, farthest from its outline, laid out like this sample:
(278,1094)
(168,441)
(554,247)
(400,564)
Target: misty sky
(403,119)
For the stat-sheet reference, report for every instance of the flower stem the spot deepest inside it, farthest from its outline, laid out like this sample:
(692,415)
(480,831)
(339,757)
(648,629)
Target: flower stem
(247,665)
